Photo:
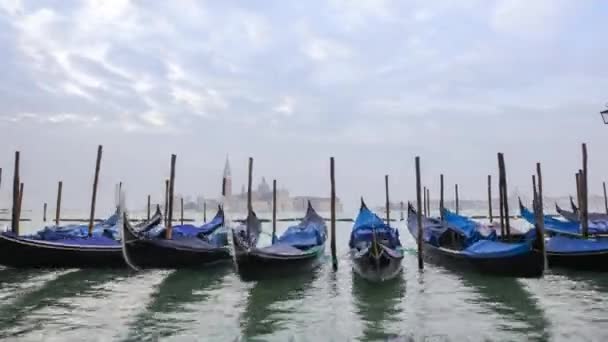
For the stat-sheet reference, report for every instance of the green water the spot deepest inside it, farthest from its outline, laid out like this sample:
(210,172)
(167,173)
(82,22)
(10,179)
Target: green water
(215,305)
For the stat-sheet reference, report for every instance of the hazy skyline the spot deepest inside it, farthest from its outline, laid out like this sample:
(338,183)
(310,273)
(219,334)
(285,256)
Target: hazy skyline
(372,83)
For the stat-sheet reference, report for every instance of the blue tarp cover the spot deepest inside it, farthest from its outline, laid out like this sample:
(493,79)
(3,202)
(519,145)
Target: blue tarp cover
(568,244)
(496,249)
(556,226)
(107,228)
(367,222)
(304,235)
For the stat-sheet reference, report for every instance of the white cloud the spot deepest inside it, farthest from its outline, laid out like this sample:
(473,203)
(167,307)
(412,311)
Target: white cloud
(535,19)
(285,106)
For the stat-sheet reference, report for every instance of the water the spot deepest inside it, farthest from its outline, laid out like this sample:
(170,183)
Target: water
(215,305)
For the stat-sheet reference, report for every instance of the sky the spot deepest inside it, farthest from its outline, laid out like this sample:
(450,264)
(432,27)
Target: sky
(373,83)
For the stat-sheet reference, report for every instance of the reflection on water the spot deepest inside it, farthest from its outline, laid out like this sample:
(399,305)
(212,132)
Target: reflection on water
(377,304)
(267,309)
(438,304)
(164,315)
(517,308)
(68,284)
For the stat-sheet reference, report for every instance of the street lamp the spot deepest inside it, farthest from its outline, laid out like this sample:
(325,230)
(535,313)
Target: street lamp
(605,115)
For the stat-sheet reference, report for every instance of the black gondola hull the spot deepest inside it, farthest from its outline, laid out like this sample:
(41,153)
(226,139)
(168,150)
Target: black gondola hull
(528,265)
(147,254)
(376,269)
(25,253)
(255,265)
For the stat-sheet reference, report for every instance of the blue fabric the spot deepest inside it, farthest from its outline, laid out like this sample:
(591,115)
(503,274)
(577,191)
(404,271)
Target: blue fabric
(188,230)
(555,226)
(568,244)
(303,236)
(466,227)
(75,241)
(366,224)
(107,228)
(496,249)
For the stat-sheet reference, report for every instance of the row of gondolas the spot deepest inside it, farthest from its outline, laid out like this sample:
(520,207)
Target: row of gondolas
(452,241)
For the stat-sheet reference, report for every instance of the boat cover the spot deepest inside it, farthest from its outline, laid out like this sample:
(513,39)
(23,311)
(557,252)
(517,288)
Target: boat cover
(366,224)
(556,226)
(476,246)
(95,240)
(570,244)
(310,232)
(107,228)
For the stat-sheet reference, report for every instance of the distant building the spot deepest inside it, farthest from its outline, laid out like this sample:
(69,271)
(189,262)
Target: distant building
(228,178)
(300,203)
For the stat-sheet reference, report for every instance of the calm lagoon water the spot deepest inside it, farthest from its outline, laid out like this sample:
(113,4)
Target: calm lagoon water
(215,305)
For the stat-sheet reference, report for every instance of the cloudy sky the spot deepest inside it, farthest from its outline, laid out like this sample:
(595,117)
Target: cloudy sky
(373,83)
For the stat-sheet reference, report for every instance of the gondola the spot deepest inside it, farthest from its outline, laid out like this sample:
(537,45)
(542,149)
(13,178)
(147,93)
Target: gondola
(566,247)
(375,248)
(299,248)
(98,251)
(463,247)
(595,219)
(147,250)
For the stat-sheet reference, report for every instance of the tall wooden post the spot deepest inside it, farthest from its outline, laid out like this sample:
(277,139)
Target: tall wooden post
(44,212)
(457,199)
(169,230)
(428,202)
(501,200)
(503,185)
(166,202)
(419,214)
(249,181)
(401,209)
(58,206)
(585,195)
(332,180)
(605,197)
(490,199)
(541,215)
(205,212)
(388,203)
(94,197)
(181,205)
(148,212)
(19,205)
(578,193)
(274,210)
(16,183)
(441,203)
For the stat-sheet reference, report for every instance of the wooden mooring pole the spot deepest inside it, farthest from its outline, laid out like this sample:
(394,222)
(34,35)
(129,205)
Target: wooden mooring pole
(332,180)
(169,230)
(428,202)
(585,195)
(19,204)
(605,197)
(205,212)
(181,205)
(540,226)
(401,209)
(58,205)
(419,214)
(503,185)
(441,203)
(501,201)
(274,210)
(249,181)
(457,199)
(44,212)
(94,196)
(148,212)
(490,198)
(166,206)
(16,183)
(388,203)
